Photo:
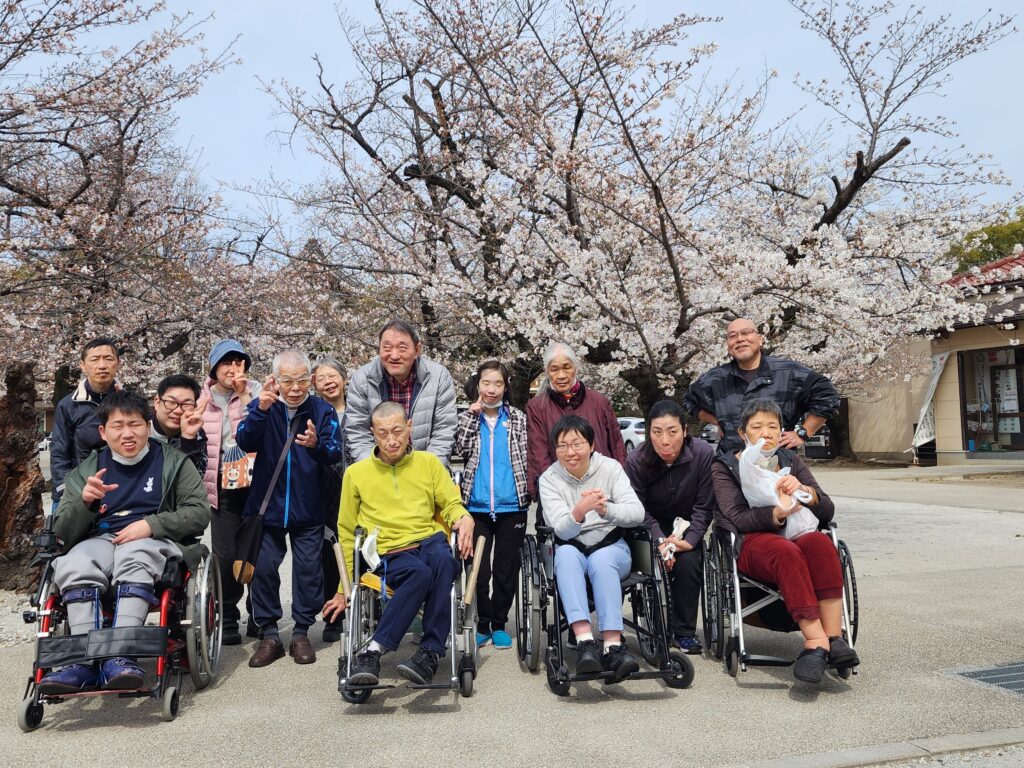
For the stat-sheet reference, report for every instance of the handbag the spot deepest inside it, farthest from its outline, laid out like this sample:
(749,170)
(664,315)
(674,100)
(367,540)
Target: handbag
(236,467)
(249,537)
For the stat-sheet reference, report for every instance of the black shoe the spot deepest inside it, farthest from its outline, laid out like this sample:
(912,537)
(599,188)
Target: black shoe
(588,657)
(332,633)
(810,665)
(231,635)
(251,630)
(840,654)
(421,668)
(620,663)
(366,670)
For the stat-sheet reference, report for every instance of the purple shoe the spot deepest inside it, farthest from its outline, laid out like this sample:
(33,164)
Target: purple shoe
(121,674)
(74,678)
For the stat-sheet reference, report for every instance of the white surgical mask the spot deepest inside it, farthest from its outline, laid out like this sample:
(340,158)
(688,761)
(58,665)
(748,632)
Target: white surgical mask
(765,452)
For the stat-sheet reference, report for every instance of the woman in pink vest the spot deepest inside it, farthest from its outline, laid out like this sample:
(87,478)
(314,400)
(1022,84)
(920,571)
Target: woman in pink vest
(227,392)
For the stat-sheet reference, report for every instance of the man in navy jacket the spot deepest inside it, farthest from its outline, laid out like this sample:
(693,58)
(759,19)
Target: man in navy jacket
(294,511)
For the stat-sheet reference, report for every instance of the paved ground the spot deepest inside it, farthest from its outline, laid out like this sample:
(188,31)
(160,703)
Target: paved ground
(939,566)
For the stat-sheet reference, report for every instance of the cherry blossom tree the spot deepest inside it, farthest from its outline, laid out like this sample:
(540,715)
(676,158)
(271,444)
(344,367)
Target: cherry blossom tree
(511,171)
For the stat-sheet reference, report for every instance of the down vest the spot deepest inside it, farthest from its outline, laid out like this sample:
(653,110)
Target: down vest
(433,409)
(213,421)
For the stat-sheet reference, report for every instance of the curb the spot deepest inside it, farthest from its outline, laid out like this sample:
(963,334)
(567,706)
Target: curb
(901,750)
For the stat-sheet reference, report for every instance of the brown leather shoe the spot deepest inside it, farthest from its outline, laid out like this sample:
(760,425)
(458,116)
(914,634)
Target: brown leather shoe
(301,650)
(267,652)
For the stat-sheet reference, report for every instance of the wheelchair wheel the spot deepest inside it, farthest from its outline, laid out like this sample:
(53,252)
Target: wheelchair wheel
(169,703)
(732,660)
(711,601)
(684,670)
(203,609)
(466,683)
(528,618)
(30,714)
(850,588)
(355,697)
(650,614)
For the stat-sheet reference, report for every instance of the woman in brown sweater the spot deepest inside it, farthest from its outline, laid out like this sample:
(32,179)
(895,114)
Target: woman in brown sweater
(806,569)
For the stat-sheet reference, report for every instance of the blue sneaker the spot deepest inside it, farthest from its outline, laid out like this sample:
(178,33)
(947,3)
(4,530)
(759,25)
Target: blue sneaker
(689,644)
(482,639)
(501,639)
(121,674)
(73,678)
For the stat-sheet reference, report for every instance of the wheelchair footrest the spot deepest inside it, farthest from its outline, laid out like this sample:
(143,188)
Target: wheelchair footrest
(766,661)
(136,642)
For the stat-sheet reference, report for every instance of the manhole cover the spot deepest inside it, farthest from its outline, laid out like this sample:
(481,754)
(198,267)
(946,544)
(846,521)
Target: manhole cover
(1009,677)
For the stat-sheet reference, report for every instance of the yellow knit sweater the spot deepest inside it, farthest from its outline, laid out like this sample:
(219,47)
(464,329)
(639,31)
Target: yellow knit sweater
(402,500)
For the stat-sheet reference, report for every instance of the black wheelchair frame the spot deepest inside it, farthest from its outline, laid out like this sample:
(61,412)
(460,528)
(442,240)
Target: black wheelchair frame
(646,590)
(187,638)
(729,598)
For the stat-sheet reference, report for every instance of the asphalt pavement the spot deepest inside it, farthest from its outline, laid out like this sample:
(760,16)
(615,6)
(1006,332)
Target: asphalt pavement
(938,571)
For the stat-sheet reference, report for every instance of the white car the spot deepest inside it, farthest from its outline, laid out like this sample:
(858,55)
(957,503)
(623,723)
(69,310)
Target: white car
(44,444)
(633,432)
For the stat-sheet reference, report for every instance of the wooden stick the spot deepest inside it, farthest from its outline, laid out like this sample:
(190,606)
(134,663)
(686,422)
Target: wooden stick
(346,581)
(478,558)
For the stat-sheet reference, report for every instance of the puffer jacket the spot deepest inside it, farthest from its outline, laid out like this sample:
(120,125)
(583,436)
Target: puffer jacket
(213,419)
(433,414)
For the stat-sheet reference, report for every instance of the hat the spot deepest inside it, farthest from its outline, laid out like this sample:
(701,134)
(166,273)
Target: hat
(222,349)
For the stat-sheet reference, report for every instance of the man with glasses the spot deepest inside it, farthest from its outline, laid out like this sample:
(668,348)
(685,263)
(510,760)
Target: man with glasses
(421,386)
(807,398)
(179,418)
(285,408)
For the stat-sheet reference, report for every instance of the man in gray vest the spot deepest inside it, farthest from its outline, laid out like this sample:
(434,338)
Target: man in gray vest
(421,386)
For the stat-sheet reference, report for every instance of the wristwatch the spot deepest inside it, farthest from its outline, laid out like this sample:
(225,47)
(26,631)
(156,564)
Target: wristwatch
(801,433)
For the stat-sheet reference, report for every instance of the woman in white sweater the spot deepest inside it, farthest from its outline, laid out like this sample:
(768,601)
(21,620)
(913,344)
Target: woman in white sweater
(588,500)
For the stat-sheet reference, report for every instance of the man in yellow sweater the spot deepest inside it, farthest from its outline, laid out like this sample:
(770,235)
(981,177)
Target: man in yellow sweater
(398,492)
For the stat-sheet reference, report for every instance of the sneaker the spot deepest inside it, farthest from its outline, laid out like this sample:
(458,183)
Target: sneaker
(121,674)
(501,639)
(230,635)
(332,632)
(482,639)
(689,644)
(588,657)
(421,668)
(366,670)
(840,654)
(620,663)
(73,678)
(810,665)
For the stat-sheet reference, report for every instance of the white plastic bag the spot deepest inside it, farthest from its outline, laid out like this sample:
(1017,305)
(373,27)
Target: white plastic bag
(758,484)
(679,526)
(369,550)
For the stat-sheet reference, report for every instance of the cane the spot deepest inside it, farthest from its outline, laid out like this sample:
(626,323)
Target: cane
(339,556)
(478,558)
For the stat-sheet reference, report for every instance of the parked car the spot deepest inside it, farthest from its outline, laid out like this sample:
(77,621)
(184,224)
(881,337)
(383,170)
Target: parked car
(44,444)
(634,432)
(711,434)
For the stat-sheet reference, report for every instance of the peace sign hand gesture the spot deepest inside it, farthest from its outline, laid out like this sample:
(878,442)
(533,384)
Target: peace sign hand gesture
(193,422)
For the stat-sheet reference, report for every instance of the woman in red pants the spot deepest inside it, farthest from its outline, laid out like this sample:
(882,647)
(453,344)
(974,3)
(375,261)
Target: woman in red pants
(806,569)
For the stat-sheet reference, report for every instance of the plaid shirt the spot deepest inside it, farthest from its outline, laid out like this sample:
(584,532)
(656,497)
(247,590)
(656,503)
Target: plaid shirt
(797,389)
(467,445)
(402,393)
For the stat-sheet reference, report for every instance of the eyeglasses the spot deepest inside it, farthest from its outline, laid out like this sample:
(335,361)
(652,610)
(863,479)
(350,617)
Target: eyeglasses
(746,333)
(289,383)
(174,405)
(578,446)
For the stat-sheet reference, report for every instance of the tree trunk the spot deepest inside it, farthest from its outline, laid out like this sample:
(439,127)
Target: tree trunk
(21,482)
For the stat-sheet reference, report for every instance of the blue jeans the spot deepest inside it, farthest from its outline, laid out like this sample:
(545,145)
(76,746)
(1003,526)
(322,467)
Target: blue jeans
(605,569)
(421,576)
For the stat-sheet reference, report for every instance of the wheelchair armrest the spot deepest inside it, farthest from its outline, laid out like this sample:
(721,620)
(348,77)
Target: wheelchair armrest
(640,533)
(545,530)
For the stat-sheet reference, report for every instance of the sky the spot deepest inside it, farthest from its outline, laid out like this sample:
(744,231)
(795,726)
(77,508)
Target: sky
(230,126)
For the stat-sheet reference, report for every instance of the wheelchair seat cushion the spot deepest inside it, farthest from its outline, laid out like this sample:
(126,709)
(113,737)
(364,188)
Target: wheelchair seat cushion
(372,580)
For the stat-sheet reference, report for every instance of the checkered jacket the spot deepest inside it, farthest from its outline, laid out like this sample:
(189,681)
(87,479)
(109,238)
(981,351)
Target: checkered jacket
(796,388)
(467,445)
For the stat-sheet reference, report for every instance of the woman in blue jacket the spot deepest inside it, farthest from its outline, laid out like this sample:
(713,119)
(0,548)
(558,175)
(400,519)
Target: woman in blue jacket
(491,438)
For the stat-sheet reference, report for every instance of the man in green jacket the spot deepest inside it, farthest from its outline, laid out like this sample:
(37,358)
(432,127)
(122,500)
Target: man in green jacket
(127,510)
(398,493)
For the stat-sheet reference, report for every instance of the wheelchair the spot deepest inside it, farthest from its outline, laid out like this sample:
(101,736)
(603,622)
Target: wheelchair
(538,610)
(364,612)
(731,599)
(187,636)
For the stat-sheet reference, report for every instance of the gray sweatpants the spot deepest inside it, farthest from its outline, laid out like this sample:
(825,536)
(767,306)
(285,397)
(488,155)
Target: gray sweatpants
(96,562)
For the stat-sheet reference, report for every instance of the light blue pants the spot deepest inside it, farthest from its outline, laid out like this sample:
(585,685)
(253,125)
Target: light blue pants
(605,569)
